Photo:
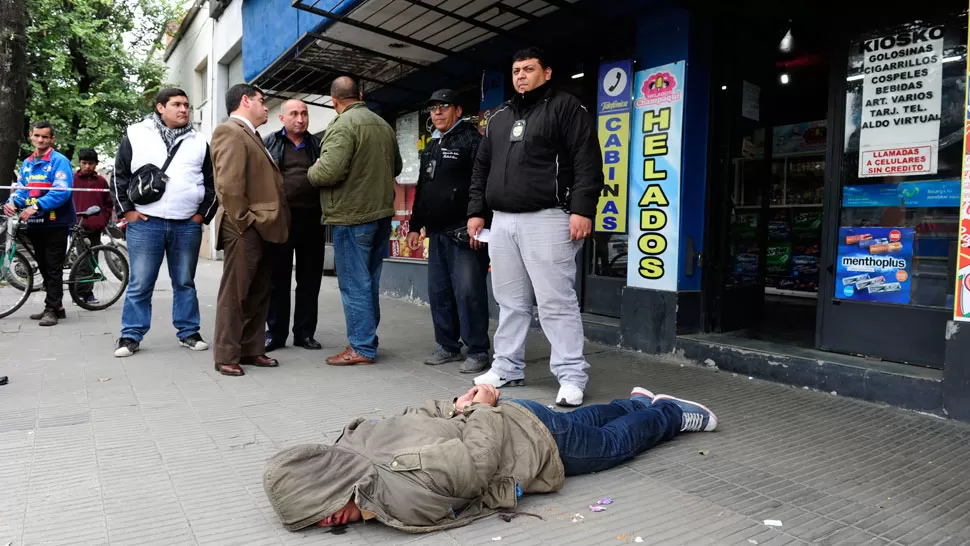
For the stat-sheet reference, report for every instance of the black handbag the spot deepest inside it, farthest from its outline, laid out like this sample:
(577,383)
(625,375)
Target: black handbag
(147,184)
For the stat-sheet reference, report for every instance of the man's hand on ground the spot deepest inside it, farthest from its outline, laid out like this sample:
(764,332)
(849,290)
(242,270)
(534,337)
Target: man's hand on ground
(482,394)
(486,394)
(579,227)
(475,226)
(198,218)
(133,216)
(414,240)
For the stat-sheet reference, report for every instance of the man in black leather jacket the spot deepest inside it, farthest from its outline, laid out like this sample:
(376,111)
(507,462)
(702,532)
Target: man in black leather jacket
(294,150)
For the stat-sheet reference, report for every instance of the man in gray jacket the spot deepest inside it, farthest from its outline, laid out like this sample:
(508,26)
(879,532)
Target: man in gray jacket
(449,462)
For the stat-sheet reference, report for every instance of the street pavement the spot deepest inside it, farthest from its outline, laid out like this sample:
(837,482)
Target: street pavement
(160,449)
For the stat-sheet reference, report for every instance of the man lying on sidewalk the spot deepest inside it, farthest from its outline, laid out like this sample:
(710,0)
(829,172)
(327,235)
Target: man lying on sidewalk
(449,462)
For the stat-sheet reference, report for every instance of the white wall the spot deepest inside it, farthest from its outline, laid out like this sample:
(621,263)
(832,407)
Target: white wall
(216,48)
(190,55)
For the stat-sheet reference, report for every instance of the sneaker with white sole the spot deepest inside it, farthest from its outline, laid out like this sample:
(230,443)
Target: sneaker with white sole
(697,418)
(497,381)
(194,342)
(640,393)
(126,347)
(570,396)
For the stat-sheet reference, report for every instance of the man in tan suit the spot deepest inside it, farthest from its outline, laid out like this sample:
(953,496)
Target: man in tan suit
(250,189)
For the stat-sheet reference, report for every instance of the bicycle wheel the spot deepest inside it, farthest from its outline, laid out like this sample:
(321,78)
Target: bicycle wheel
(118,267)
(16,282)
(92,283)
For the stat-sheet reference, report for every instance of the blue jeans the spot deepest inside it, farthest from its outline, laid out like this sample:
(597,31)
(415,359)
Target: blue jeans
(358,255)
(458,294)
(595,438)
(178,241)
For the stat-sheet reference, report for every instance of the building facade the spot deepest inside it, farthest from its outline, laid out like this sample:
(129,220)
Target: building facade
(205,58)
(783,186)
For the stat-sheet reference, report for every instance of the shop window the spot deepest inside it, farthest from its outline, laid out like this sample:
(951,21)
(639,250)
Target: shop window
(413,131)
(901,164)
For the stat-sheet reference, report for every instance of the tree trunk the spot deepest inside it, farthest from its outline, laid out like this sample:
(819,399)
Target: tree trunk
(13,87)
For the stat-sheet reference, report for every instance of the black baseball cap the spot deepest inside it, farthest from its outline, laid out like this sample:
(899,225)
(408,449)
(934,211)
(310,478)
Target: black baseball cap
(443,96)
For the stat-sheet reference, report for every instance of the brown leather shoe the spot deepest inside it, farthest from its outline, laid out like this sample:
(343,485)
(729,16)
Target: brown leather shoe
(229,369)
(261,361)
(349,357)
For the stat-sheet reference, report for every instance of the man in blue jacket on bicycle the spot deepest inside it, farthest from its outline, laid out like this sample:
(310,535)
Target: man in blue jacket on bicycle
(49,214)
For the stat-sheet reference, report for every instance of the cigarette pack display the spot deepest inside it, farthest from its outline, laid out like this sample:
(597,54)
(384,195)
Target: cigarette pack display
(856,239)
(865,283)
(854,279)
(887,287)
(866,243)
(885,248)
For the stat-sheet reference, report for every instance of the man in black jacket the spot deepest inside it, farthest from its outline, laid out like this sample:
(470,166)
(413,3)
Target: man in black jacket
(456,271)
(539,169)
(294,150)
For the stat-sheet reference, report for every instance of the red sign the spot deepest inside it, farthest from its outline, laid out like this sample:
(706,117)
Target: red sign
(907,160)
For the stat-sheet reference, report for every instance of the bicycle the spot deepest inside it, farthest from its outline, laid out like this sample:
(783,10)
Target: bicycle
(16,273)
(83,259)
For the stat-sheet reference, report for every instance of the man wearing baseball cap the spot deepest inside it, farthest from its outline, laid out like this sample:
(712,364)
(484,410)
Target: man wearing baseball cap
(456,269)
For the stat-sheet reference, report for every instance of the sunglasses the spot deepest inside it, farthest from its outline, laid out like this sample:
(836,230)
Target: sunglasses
(435,107)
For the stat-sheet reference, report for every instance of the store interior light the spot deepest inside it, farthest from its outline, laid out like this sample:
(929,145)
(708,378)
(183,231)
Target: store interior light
(952,59)
(723,88)
(578,75)
(856,77)
(785,79)
(786,43)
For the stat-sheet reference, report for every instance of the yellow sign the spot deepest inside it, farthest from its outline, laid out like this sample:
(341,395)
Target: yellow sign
(614,135)
(613,106)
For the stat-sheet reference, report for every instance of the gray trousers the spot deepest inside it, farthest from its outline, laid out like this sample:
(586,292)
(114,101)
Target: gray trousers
(533,258)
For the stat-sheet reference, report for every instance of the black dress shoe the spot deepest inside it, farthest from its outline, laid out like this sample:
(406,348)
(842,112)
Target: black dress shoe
(308,343)
(272,345)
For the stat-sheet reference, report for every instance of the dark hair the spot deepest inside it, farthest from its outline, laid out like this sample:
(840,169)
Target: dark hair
(344,88)
(87,154)
(237,92)
(42,125)
(166,94)
(531,53)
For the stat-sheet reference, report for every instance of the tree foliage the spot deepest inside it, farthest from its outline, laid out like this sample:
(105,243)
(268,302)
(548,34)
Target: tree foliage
(93,67)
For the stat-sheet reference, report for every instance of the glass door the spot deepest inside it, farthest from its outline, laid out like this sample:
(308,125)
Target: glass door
(887,289)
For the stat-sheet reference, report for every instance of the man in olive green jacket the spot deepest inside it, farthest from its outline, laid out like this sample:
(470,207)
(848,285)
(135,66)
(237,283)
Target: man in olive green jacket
(447,463)
(359,159)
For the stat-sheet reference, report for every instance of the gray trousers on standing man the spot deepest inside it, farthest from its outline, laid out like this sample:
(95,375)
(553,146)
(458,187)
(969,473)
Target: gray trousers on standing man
(532,257)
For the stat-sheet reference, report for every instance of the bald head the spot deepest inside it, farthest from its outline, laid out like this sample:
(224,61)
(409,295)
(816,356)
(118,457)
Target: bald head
(295,118)
(291,104)
(343,92)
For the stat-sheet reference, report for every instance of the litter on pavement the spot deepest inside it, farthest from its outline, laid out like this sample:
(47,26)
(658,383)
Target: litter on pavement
(773,523)
(605,500)
(596,508)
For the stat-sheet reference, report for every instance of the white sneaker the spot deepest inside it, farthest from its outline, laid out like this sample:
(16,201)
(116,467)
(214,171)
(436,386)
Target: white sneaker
(497,381)
(569,396)
(640,393)
(697,418)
